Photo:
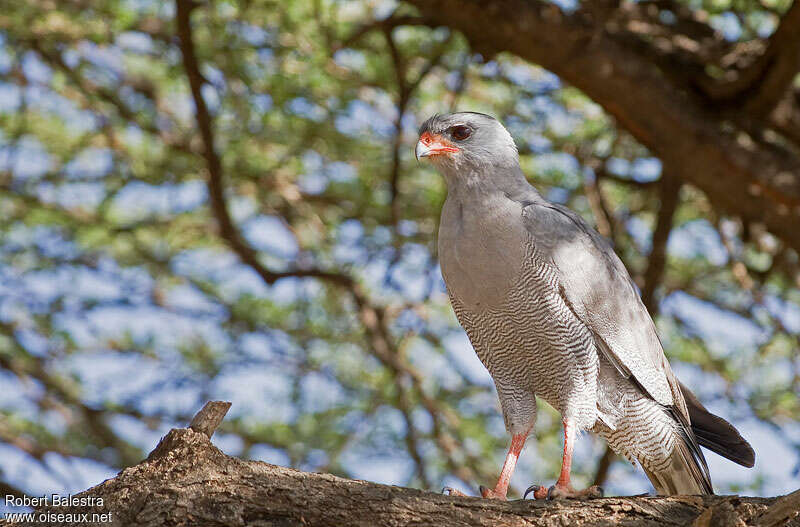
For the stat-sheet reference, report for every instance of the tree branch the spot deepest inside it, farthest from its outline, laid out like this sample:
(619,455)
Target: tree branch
(669,194)
(765,82)
(209,417)
(603,466)
(783,61)
(782,511)
(387,24)
(188,481)
(228,231)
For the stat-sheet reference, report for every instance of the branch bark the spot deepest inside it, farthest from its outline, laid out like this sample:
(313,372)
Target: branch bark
(188,481)
(709,146)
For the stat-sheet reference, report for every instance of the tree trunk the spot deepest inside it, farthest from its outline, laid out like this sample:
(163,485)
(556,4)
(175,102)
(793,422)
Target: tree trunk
(188,481)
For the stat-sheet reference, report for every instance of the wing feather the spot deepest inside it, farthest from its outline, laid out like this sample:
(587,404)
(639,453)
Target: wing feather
(598,288)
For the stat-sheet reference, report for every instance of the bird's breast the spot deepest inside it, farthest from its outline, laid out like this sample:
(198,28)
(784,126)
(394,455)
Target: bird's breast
(481,249)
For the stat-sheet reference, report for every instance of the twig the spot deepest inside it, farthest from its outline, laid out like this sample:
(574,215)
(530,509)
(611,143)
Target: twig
(209,417)
(228,231)
(669,190)
(603,466)
(385,24)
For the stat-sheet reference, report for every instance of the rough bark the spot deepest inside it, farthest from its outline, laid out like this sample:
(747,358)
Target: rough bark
(736,137)
(188,481)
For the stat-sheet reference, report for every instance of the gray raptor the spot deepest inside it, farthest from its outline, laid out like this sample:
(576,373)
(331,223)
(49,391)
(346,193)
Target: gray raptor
(552,312)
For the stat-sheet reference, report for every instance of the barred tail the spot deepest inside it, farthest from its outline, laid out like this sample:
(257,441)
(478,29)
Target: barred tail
(687,472)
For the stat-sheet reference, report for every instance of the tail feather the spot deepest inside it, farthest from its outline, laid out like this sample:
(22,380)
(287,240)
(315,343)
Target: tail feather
(684,475)
(717,434)
(687,471)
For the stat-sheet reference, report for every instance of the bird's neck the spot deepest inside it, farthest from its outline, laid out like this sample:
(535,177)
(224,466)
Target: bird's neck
(466,183)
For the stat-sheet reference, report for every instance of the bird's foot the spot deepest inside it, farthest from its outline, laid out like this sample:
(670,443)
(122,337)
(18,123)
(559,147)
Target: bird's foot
(563,492)
(539,492)
(492,494)
(450,491)
(486,493)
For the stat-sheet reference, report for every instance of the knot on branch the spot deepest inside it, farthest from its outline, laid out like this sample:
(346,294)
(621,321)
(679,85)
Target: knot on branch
(199,433)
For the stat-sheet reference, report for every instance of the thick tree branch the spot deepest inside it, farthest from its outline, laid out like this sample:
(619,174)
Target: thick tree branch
(782,511)
(187,481)
(765,82)
(740,175)
(783,69)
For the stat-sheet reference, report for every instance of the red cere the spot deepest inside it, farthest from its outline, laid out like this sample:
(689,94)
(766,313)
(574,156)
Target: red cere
(437,143)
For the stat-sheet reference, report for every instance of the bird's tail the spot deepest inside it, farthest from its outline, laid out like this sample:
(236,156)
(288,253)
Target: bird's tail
(717,434)
(660,438)
(687,472)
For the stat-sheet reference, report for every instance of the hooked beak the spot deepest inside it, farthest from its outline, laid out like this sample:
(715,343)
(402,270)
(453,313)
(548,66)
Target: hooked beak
(433,145)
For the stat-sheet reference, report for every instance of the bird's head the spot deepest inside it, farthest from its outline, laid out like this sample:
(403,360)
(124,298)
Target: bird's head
(466,142)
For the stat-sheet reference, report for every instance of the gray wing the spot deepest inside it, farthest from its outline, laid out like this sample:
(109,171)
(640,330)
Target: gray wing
(598,288)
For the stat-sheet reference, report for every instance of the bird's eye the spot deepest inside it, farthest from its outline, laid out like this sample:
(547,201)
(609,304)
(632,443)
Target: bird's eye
(460,133)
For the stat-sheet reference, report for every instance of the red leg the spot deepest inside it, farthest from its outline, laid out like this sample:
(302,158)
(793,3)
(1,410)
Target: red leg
(566,460)
(563,488)
(501,489)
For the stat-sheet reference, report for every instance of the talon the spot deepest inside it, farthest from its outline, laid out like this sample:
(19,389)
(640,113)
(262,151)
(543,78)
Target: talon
(532,488)
(450,491)
(491,494)
(538,491)
(550,491)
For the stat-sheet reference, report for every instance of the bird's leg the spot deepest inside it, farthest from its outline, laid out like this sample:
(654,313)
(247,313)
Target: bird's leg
(501,489)
(563,488)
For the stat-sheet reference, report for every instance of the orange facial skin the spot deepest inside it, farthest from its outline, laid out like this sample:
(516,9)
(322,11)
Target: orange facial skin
(436,145)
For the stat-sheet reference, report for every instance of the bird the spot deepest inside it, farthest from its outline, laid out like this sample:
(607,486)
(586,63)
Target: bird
(552,313)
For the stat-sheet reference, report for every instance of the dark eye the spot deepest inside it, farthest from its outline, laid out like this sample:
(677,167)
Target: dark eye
(460,133)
